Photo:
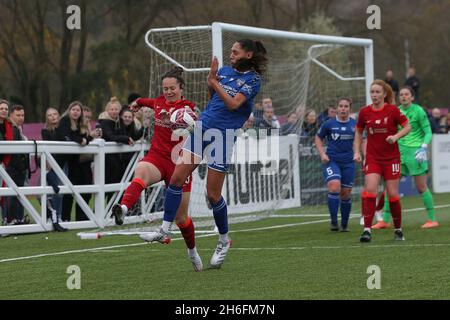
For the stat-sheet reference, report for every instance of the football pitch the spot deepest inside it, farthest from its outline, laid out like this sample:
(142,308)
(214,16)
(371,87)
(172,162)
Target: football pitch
(286,258)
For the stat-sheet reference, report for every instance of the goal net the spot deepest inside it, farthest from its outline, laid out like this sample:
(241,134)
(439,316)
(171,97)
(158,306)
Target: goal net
(305,75)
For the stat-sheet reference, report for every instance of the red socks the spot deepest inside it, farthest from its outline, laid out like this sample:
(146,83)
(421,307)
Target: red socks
(368,208)
(133,193)
(396,211)
(188,232)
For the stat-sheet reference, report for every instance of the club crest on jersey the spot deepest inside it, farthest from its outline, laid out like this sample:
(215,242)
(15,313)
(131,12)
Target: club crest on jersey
(240,83)
(378,122)
(386,120)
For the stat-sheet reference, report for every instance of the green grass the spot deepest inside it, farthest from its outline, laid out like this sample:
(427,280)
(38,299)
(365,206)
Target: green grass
(296,262)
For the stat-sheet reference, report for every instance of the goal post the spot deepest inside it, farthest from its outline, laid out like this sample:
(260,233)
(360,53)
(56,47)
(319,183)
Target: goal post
(305,71)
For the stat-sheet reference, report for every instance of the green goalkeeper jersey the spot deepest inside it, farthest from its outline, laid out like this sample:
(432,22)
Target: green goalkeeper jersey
(420,127)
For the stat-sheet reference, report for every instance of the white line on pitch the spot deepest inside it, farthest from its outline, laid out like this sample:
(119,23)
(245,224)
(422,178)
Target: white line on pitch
(144,243)
(201,236)
(354,215)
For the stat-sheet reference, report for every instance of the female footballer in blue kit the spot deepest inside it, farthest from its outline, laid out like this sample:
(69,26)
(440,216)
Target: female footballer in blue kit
(338,163)
(232,91)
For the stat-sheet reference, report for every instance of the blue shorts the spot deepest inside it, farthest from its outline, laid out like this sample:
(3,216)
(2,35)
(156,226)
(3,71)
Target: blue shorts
(215,144)
(344,172)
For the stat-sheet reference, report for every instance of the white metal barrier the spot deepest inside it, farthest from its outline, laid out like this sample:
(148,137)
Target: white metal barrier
(98,217)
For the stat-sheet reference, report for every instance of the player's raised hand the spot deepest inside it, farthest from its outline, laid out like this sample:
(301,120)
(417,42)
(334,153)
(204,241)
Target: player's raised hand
(357,157)
(392,139)
(212,75)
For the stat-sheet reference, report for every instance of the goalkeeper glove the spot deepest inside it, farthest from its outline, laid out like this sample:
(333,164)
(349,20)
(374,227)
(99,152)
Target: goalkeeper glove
(421,154)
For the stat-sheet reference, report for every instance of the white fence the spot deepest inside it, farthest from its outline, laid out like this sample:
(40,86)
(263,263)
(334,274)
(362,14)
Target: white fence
(261,192)
(441,163)
(99,216)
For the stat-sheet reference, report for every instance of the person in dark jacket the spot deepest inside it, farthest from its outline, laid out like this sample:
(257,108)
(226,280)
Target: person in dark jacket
(54,202)
(113,132)
(18,168)
(132,128)
(72,127)
(413,82)
(392,82)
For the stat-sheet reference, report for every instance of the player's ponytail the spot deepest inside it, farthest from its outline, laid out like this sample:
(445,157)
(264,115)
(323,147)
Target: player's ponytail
(177,73)
(390,96)
(259,59)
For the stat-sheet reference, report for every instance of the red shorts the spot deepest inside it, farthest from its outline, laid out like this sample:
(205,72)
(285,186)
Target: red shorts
(388,170)
(166,167)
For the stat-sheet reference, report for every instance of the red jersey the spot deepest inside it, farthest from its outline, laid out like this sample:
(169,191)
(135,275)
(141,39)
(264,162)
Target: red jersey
(162,139)
(381,124)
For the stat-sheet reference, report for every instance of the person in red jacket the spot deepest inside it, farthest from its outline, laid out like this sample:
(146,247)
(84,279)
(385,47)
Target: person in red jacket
(6,134)
(158,165)
(381,120)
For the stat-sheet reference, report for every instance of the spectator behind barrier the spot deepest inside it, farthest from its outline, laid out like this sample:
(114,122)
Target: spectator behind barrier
(6,134)
(392,82)
(130,128)
(310,125)
(414,83)
(18,168)
(73,127)
(54,202)
(436,121)
(326,115)
(291,126)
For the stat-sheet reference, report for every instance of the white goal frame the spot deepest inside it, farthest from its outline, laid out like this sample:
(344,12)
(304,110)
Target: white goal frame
(218,28)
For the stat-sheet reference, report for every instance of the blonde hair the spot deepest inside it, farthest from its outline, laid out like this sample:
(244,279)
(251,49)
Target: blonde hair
(390,97)
(112,102)
(49,126)
(80,123)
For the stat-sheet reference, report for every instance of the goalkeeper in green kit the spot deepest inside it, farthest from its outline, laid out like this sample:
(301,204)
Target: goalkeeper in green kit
(414,156)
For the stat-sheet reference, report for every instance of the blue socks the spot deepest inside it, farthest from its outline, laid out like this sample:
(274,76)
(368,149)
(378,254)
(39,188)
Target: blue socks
(172,202)
(346,208)
(221,216)
(333,206)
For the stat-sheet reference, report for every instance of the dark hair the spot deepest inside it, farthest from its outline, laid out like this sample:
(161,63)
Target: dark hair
(177,73)
(16,107)
(133,96)
(259,59)
(408,88)
(345,99)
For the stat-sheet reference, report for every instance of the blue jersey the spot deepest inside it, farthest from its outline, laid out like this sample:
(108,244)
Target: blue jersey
(217,115)
(340,136)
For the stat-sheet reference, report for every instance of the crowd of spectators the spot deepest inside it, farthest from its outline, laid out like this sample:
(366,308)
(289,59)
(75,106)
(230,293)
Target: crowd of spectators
(117,123)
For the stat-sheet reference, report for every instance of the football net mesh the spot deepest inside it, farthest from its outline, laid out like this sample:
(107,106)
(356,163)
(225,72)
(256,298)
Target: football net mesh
(301,76)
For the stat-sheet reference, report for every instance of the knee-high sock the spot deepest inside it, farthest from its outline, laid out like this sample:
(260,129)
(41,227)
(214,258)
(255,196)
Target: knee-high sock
(133,193)
(221,216)
(369,202)
(333,206)
(172,202)
(380,203)
(427,199)
(346,208)
(386,210)
(188,231)
(396,211)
